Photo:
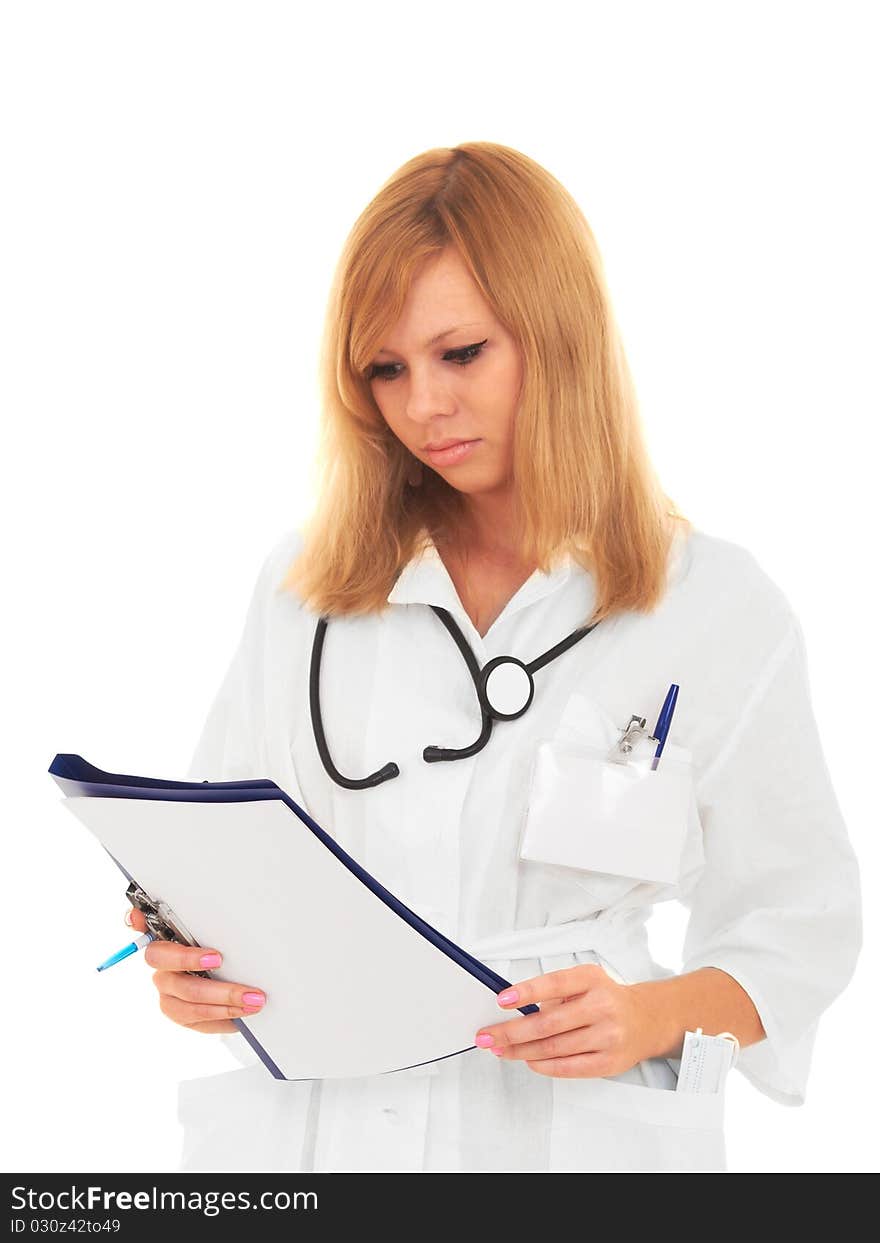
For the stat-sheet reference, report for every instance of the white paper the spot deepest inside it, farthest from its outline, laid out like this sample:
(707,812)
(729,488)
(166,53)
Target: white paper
(351,987)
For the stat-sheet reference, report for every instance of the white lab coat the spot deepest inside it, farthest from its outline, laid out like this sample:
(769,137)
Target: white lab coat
(767,871)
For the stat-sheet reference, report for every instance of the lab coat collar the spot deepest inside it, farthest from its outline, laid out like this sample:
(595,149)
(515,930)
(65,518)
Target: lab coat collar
(425,580)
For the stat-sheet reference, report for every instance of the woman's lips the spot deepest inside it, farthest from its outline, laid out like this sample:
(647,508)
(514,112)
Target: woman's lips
(453,455)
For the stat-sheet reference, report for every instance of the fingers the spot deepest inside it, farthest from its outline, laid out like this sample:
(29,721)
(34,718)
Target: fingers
(188,1014)
(587,1051)
(595,1038)
(216,995)
(193,1001)
(583,1066)
(170,956)
(202,1004)
(548,1022)
(532,1034)
(567,982)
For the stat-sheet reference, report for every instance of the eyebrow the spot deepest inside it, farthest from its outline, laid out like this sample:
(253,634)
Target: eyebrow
(447,332)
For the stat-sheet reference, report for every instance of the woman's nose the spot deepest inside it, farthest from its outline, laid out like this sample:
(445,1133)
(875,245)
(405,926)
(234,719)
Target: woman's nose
(427,392)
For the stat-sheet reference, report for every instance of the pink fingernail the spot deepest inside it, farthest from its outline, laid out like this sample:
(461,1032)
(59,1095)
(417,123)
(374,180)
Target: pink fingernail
(508,997)
(497,1052)
(485,1041)
(210,960)
(252,999)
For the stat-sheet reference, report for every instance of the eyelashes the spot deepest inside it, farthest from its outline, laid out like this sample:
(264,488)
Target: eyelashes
(460,358)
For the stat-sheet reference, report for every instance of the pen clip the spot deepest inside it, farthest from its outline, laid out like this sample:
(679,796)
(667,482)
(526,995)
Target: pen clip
(630,737)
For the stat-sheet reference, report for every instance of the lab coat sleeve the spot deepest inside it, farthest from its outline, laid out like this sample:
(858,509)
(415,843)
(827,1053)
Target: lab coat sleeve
(232,744)
(778,904)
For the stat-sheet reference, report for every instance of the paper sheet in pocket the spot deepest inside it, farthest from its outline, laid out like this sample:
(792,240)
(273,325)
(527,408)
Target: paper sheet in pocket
(626,819)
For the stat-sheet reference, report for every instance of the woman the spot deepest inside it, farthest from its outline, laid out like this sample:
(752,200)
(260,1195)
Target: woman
(483,456)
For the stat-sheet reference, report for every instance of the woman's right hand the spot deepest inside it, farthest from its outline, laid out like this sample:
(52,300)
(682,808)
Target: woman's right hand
(191,1000)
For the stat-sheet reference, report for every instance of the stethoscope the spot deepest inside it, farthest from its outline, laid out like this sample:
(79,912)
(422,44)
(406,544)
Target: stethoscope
(505,689)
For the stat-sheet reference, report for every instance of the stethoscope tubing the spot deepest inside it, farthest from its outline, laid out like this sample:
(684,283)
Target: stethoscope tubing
(433,754)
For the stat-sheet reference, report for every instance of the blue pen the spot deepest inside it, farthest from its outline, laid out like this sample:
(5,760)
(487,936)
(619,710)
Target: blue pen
(664,720)
(131,948)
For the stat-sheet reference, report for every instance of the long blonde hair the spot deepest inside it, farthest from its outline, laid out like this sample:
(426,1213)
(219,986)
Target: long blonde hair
(583,479)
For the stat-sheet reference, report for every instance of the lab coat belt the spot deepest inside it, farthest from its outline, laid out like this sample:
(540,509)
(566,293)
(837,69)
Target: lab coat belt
(597,933)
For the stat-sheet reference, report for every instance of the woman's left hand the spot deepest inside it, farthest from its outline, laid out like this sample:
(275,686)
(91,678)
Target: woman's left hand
(589,1025)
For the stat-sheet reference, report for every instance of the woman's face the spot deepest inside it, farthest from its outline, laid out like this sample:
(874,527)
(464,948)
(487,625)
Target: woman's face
(464,386)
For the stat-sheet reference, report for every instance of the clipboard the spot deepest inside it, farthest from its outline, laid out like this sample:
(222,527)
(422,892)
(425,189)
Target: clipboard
(356,982)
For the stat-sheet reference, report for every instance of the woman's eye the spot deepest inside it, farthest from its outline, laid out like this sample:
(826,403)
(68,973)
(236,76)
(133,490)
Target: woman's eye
(379,371)
(465,355)
(461,358)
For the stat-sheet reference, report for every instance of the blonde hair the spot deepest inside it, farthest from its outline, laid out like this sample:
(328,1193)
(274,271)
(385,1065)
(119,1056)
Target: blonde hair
(582,475)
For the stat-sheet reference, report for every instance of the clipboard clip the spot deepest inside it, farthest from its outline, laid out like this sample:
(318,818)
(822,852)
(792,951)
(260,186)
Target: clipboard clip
(630,737)
(161,921)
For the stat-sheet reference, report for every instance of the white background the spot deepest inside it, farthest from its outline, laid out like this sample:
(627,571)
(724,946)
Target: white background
(178,181)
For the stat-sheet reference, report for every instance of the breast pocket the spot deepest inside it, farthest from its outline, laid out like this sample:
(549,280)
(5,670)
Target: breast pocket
(628,820)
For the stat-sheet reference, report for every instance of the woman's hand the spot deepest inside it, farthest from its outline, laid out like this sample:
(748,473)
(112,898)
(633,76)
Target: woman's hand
(190,1000)
(589,1025)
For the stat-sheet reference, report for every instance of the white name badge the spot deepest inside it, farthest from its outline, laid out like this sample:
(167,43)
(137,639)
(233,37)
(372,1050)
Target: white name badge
(587,812)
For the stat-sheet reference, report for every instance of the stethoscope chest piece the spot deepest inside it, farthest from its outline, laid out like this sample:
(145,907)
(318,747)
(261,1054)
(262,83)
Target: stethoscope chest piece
(506,688)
